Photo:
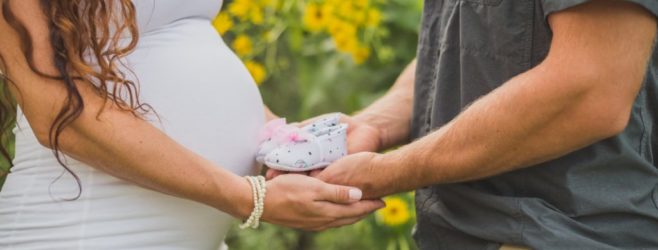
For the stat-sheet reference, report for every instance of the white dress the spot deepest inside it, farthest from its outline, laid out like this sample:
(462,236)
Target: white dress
(207,102)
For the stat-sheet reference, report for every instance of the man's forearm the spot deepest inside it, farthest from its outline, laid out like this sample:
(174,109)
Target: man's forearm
(511,128)
(391,114)
(582,93)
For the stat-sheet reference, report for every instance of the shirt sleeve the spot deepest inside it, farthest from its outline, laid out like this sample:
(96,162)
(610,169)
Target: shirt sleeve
(551,6)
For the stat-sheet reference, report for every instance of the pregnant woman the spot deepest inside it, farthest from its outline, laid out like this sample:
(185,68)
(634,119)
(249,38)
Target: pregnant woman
(135,123)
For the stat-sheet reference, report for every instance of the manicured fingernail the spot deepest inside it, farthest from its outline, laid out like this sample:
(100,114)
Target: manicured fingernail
(355,194)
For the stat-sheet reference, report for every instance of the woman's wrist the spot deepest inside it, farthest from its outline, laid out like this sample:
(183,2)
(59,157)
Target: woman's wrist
(259,191)
(240,198)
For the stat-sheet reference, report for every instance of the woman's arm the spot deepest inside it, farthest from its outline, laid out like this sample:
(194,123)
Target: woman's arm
(116,141)
(132,149)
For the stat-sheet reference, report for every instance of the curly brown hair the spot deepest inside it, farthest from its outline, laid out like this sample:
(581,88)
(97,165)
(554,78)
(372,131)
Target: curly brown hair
(88,38)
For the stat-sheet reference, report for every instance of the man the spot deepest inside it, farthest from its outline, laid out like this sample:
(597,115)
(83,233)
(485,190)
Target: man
(533,125)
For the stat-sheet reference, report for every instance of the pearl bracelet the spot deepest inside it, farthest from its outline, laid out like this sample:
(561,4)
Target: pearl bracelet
(258,189)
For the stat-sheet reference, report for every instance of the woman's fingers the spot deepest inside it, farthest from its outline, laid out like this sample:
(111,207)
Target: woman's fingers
(315,172)
(308,203)
(339,223)
(356,209)
(347,214)
(273,173)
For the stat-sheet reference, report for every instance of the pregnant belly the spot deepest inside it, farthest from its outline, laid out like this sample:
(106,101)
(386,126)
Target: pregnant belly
(203,94)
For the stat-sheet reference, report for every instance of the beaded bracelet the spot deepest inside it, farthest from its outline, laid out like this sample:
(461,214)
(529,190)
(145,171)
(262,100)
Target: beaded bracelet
(262,190)
(258,189)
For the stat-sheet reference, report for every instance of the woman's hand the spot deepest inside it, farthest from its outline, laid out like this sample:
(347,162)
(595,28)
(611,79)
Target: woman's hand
(307,203)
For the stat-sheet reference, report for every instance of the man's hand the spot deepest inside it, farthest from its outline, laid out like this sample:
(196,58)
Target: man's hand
(361,170)
(361,137)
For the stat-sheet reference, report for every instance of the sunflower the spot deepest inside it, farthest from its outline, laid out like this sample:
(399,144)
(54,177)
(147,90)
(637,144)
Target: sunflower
(314,17)
(395,213)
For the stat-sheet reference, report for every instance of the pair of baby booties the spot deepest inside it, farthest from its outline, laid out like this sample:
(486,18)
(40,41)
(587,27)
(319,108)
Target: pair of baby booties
(290,148)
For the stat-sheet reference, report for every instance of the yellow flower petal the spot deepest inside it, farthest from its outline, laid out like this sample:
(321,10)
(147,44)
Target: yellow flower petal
(256,70)
(346,9)
(240,8)
(359,18)
(338,27)
(222,23)
(256,16)
(314,17)
(269,3)
(360,55)
(374,18)
(345,42)
(361,3)
(242,45)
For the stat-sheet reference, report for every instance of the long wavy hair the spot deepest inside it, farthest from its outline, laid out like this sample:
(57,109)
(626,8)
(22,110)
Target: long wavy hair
(88,38)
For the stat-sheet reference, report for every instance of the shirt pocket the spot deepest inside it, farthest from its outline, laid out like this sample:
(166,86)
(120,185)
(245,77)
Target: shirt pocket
(500,30)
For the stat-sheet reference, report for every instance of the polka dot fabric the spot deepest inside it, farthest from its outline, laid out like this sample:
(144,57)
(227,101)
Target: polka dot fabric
(270,143)
(325,146)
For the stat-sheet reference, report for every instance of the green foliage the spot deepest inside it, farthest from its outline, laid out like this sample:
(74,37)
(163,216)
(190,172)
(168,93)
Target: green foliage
(307,73)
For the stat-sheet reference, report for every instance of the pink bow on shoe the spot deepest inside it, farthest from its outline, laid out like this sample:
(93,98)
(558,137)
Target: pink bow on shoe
(278,131)
(270,128)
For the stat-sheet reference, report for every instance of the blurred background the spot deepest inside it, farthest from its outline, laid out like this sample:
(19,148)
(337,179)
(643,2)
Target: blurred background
(310,57)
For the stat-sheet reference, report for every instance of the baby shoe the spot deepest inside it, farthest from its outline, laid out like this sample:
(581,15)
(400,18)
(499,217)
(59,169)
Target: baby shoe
(277,132)
(317,125)
(312,152)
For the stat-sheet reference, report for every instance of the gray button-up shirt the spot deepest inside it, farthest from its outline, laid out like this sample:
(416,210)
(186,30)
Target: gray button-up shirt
(604,196)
